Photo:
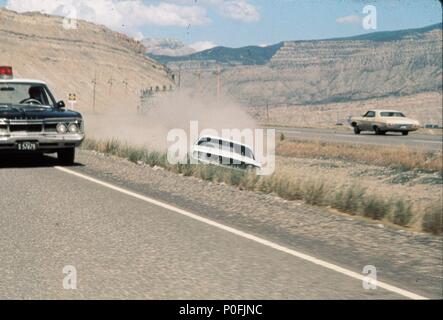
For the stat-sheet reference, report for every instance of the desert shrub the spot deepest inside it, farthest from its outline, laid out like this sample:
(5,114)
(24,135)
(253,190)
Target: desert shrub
(265,185)
(349,200)
(227,175)
(135,155)
(375,208)
(287,188)
(249,181)
(433,219)
(314,193)
(112,147)
(155,159)
(402,213)
(184,168)
(206,172)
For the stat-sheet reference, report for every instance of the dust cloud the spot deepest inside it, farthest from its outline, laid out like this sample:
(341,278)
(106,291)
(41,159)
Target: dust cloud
(157,116)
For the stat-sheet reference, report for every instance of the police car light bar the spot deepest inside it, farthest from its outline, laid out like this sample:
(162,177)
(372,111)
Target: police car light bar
(6,73)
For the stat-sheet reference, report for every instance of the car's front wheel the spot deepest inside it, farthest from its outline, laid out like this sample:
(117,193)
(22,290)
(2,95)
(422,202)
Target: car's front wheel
(66,156)
(405,133)
(357,130)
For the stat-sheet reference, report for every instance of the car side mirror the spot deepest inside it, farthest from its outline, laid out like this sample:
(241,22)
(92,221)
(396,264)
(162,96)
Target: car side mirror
(60,105)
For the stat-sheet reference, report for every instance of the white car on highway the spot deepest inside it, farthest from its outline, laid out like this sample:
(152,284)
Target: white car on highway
(223,152)
(382,121)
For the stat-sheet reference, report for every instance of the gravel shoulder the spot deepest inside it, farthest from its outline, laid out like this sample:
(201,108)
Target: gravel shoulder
(409,260)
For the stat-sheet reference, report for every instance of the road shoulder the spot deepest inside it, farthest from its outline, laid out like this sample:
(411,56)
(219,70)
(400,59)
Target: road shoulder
(409,260)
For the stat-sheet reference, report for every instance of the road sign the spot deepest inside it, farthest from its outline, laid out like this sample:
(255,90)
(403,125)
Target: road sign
(72,100)
(72,97)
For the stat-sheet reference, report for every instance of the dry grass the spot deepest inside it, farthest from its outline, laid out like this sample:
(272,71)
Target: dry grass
(433,219)
(393,157)
(353,200)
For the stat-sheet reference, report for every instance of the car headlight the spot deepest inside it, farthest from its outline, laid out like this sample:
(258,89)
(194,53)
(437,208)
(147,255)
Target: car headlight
(73,128)
(62,128)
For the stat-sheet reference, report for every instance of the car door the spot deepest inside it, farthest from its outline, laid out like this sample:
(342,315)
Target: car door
(368,120)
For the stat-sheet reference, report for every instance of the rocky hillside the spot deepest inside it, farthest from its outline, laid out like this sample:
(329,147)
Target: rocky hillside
(38,46)
(374,65)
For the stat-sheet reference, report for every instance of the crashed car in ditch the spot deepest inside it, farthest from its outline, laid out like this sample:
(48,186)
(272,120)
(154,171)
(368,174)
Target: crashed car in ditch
(223,152)
(32,121)
(382,121)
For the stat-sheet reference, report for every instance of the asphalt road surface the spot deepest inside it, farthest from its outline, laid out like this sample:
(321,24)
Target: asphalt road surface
(414,140)
(125,245)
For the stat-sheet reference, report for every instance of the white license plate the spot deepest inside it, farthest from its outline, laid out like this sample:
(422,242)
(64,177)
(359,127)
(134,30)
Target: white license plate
(403,127)
(27,146)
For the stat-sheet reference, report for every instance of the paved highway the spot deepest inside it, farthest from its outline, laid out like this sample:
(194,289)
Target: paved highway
(415,140)
(127,245)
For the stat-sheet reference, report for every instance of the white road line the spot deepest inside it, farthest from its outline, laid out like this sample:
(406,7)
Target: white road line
(264,242)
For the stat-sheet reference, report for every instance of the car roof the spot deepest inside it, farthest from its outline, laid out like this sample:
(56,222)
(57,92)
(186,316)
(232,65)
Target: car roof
(22,81)
(224,139)
(385,110)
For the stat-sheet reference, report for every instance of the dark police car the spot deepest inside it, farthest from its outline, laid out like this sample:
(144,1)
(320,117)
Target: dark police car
(32,121)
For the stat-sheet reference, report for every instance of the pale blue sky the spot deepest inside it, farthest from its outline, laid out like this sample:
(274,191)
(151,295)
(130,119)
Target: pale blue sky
(269,22)
(307,19)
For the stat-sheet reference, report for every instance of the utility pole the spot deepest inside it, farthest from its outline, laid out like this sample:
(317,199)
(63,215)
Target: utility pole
(267,111)
(179,76)
(125,82)
(110,82)
(139,105)
(199,76)
(218,73)
(94,82)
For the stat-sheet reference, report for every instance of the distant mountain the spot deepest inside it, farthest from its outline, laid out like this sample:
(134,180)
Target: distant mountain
(373,65)
(251,55)
(393,35)
(166,47)
(255,55)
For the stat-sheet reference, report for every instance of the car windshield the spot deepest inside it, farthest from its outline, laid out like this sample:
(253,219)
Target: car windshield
(392,114)
(26,94)
(227,146)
